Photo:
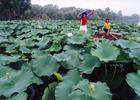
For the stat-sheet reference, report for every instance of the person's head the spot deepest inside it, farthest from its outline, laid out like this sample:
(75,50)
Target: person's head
(107,20)
(84,14)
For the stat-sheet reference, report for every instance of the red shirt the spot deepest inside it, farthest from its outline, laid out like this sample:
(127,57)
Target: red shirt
(83,20)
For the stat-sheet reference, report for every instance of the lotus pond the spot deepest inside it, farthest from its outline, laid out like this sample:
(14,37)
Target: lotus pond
(39,61)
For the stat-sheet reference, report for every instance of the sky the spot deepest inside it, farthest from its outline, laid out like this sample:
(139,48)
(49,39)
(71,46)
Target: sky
(128,7)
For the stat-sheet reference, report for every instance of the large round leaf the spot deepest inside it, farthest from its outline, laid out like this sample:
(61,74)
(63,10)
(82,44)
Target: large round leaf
(73,47)
(133,79)
(105,51)
(3,40)
(65,88)
(8,59)
(78,95)
(123,57)
(36,53)
(102,92)
(45,65)
(73,76)
(83,90)
(89,63)
(12,81)
(22,96)
(127,44)
(76,39)
(82,86)
(49,92)
(97,91)
(63,56)
(6,31)
(23,36)
(69,59)
(42,31)
(26,42)
(11,48)
(43,43)
(134,53)
(24,49)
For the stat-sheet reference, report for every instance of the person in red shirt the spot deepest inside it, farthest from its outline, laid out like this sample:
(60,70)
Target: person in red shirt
(83,21)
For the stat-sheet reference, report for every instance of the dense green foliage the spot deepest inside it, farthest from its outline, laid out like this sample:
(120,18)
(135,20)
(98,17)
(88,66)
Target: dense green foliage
(13,9)
(30,50)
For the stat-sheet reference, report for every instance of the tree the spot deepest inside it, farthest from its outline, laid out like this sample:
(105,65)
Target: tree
(136,17)
(120,15)
(21,9)
(36,10)
(51,10)
(100,13)
(13,9)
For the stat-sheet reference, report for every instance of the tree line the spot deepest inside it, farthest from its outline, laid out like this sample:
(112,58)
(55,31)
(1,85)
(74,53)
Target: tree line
(13,9)
(23,9)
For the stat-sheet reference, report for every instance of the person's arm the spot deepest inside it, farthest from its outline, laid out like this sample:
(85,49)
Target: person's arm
(104,26)
(109,28)
(78,17)
(91,13)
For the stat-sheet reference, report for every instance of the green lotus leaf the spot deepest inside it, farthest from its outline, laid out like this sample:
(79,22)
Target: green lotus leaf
(78,95)
(6,31)
(62,57)
(101,92)
(8,59)
(64,88)
(26,42)
(24,49)
(105,51)
(11,48)
(76,39)
(12,81)
(72,47)
(24,36)
(89,63)
(83,90)
(42,31)
(44,65)
(134,53)
(133,79)
(49,92)
(13,26)
(69,59)
(82,86)
(25,30)
(36,53)
(127,44)
(97,91)
(3,40)
(43,43)
(58,37)
(73,76)
(123,57)
(22,96)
